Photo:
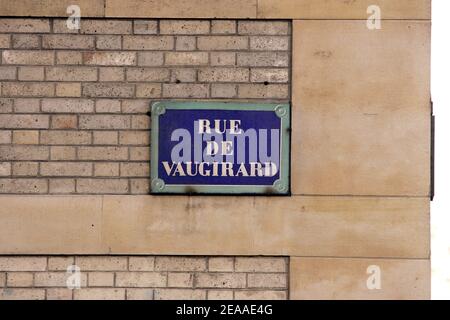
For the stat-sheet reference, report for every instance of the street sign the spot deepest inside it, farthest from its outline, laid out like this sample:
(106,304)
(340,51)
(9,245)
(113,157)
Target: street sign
(220,148)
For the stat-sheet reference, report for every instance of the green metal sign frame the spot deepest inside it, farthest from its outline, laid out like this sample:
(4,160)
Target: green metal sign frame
(280,187)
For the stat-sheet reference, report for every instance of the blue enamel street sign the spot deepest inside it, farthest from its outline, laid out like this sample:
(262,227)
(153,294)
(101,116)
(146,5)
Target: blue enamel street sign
(220,148)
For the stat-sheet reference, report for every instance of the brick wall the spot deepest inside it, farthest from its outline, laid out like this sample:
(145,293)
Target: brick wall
(144,277)
(73,106)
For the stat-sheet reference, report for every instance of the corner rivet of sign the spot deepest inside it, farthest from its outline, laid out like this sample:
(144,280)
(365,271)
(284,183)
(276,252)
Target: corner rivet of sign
(159,109)
(279,186)
(158,185)
(281,111)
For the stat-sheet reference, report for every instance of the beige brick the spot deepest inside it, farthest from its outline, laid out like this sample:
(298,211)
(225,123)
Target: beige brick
(62,186)
(17,89)
(139,294)
(60,26)
(180,294)
(185,90)
(221,264)
(104,122)
(148,42)
(135,106)
(63,153)
(8,73)
(19,279)
(107,106)
(180,9)
(25,186)
(134,137)
(69,57)
(269,75)
(68,41)
(25,41)
(269,43)
(248,264)
(108,42)
(260,295)
(145,26)
(258,91)
(107,169)
(59,294)
(110,58)
(99,263)
(31,74)
(67,105)
(183,75)
(2,279)
(26,105)
(223,27)
(223,91)
(141,279)
(106,137)
(13,25)
(148,90)
(22,294)
(60,263)
(102,153)
(6,105)
(184,27)
(140,122)
(220,280)
(64,122)
(101,279)
(102,186)
(23,153)
(106,90)
(68,89)
(267,280)
(185,43)
(70,74)
(139,153)
(5,41)
(134,169)
(223,58)
(5,136)
(263,59)
(180,264)
(186,58)
(220,295)
(105,26)
(59,137)
(19,121)
(66,169)
(211,43)
(223,75)
(148,74)
(263,27)
(180,280)
(142,263)
(99,294)
(25,168)
(150,59)
(139,186)
(5,169)
(23,263)
(111,74)
(26,137)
